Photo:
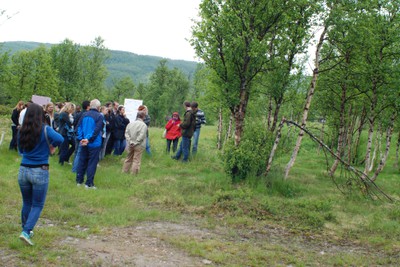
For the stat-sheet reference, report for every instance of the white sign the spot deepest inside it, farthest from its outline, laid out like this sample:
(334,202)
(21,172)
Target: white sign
(41,100)
(131,108)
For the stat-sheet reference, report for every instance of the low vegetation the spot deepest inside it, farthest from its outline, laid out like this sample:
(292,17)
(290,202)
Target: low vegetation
(303,221)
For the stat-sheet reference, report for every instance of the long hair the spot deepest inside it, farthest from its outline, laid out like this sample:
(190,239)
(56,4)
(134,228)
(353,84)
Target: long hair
(20,105)
(30,132)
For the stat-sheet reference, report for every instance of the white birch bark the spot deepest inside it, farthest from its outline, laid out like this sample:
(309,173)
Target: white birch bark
(307,104)
(274,147)
(383,160)
(219,137)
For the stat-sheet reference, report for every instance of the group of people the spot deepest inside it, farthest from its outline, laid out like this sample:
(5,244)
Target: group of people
(87,130)
(190,127)
(174,129)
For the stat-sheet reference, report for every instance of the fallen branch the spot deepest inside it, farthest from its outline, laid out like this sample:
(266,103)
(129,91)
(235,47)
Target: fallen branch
(368,185)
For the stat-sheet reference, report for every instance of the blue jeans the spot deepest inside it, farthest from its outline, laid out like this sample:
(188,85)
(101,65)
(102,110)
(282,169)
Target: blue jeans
(33,183)
(148,151)
(104,146)
(88,159)
(196,135)
(184,148)
(119,146)
(76,159)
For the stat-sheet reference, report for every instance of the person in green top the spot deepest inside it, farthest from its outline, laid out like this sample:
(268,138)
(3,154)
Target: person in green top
(187,126)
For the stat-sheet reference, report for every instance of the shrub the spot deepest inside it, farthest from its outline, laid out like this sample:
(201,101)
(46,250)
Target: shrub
(250,157)
(5,110)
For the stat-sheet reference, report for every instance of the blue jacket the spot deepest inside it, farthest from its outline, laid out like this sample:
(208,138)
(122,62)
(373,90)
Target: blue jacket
(90,126)
(39,155)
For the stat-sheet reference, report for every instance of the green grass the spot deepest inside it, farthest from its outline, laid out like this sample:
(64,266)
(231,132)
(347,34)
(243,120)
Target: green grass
(306,209)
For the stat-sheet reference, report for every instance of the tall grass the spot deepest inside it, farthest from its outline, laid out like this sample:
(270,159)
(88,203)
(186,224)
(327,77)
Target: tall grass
(308,204)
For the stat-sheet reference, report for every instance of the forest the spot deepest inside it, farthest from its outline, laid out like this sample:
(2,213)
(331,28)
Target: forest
(257,81)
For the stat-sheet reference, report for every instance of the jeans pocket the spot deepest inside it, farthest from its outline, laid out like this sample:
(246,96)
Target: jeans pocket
(39,176)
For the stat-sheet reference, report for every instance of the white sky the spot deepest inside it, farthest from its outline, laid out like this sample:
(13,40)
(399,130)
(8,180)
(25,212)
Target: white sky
(144,27)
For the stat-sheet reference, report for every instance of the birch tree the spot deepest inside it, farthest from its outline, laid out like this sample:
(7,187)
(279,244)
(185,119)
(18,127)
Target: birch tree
(233,38)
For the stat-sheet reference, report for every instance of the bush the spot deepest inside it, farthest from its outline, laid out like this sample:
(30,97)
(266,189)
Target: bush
(5,110)
(251,156)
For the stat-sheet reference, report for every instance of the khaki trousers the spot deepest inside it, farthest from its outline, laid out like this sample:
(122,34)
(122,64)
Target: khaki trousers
(133,160)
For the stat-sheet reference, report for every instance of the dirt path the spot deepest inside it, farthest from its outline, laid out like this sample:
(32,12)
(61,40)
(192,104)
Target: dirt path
(141,245)
(148,245)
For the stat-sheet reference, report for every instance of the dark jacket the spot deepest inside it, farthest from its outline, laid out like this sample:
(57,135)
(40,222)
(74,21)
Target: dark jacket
(120,123)
(189,124)
(65,125)
(15,116)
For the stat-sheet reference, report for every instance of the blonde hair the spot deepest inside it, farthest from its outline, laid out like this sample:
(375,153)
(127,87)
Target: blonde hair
(20,105)
(68,107)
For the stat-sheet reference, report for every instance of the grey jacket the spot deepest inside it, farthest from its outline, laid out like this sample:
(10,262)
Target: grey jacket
(135,133)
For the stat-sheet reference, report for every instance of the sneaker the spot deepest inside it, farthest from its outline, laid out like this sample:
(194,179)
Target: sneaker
(26,238)
(30,234)
(78,184)
(90,187)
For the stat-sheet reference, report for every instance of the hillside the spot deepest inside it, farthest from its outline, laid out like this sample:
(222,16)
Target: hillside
(120,63)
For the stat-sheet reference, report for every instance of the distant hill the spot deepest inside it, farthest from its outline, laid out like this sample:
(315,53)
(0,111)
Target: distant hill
(120,63)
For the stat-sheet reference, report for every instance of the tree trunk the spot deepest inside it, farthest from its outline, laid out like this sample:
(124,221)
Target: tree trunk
(274,147)
(350,136)
(278,104)
(240,113)
(229,131)
(359,131)
(341,133)
(219,136)
(383,160)
(371,130)
(307,104)
(269,113)
(377,148)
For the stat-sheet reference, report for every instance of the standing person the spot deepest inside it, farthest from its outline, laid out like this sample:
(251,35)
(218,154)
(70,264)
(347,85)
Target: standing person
(200,119)
(111,119)
(34,141)
(77,117)
(22,113)
(49,114)
(15,124)
(103,111)
(136,139)
(173,132)
(89,134)
(187,126)
(57,110)
(66,129)
(120,123)
(146,120)
(107,116)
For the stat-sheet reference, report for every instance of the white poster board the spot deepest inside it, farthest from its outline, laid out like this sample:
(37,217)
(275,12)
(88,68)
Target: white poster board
(131,108)
(41,100)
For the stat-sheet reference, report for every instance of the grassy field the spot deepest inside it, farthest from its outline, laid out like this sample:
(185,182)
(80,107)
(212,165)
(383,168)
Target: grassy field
(304,221)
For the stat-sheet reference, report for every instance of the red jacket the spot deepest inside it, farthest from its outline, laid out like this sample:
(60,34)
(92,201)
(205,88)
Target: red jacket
(173,130)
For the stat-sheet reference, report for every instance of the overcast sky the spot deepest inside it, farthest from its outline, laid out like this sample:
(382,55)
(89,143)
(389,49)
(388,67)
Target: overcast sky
(144,27)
